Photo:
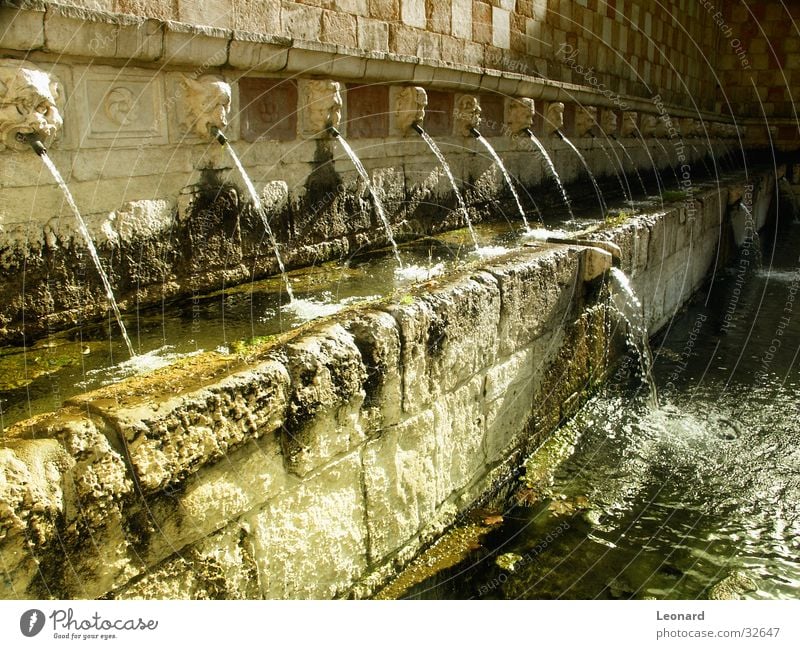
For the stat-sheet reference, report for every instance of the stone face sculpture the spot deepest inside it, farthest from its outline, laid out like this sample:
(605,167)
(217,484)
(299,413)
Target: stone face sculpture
(409,108)
(206,102)
(585,120)
(519,114)
(467,114)
(320,106)
(29,99)
(554,116)
(630,120)
(608,122)
(653,126)
(686,127)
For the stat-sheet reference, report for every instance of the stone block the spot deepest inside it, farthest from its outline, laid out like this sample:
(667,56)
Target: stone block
(533,295)
(339,29)
(327,392)
(214,13)
(217,495)
(24,29)
(433,331)
(510,388)
(501,26)
(439,16)
(63,483)
(461,19)
(481,22)
(257,16)
(373,35)
(460,424)
(400,478)
(311,542)
(221,566)
(377,338)
(412,13)
(300,21)
(249,53)
(197,48)
(388,10)
(169,436)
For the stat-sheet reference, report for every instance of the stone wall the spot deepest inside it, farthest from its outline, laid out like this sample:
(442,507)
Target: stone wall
(318,464)
(761,49)
(633,47)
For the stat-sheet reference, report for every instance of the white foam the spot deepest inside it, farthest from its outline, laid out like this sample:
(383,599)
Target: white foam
(419,273)
(141,364)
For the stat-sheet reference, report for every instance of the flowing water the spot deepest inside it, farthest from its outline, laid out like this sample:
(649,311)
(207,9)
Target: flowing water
(553,172)
(633,164)
(506,175)
(39,377)
(600,199)
(375,199)
(461,205)
(624,186)
(672,502)
(251,190)
(626,303)
(92,250)
(659,180)
(667,159)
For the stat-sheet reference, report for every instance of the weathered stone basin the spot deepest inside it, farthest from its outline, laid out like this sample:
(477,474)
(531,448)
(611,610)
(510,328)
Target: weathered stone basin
(318,464)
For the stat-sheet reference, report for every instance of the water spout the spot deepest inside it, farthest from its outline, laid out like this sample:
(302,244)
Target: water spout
(551,166)
(418,128)
(362,172)
(32,140)
(442,161)
(499,162)
(251,190)
(218,135)
(600,199)
(39,148)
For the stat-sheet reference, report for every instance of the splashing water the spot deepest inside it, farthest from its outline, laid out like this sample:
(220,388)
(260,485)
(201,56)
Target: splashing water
(418,273)
(498,161)
(251,190)
(631,312)
(306,309)
(600,199)
(461,205)
(376,201)
(552,168)
(92,250)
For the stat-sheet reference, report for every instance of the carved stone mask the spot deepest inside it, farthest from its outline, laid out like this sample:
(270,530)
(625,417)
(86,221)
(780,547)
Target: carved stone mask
(650,125)
(629,121)
(585,120)
(519,114)
(321,103)
(608,122)
(554,116)
(468,114)
(29,99)
(410,107)
(206,103)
